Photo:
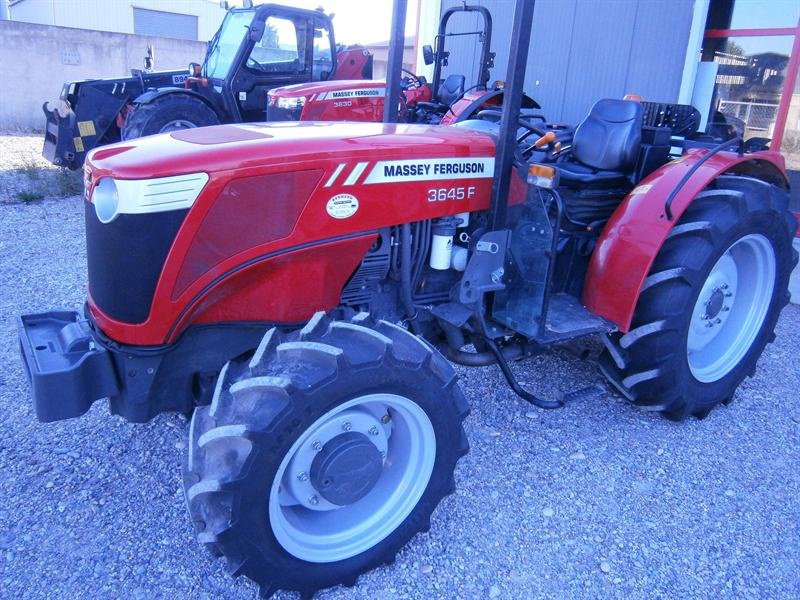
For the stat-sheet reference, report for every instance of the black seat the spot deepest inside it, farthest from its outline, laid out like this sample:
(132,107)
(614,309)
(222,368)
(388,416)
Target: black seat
(605,145)
(452,89)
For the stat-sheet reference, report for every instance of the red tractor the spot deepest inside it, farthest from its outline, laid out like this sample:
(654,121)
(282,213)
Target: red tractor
(302,289)
(442,101)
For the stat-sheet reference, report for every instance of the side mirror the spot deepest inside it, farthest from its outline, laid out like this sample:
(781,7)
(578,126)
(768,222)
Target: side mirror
(427,54)
(256,31)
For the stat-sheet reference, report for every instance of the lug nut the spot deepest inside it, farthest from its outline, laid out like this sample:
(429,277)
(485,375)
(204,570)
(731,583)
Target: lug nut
(346,426)
(728,294)
(383,454)
(717,320)
(726,308)
(386,418)
(302,476)
(724,286)
(373,430)
(313,500)
(317,446)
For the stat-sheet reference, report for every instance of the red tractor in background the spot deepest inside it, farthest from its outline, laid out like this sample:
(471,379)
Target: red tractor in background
(442,101)
(301,288)
(254,50)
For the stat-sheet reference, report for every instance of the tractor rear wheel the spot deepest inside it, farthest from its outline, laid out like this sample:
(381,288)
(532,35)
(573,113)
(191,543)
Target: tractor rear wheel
(322,455)
(167,113)
(710,302)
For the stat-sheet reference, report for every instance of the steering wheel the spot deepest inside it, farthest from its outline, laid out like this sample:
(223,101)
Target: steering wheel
(412,79)
(531,129)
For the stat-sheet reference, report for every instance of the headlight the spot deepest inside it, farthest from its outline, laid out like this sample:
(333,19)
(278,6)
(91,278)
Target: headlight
(112,197)
(106,200)
(290,103)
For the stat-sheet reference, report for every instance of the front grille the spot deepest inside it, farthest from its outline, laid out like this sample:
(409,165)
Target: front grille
(125,259)
(283,114)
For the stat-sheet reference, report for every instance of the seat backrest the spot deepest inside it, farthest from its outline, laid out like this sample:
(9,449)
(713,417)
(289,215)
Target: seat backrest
(451,89)
(609,138)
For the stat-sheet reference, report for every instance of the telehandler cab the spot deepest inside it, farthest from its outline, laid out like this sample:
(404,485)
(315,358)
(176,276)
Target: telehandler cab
(254,50)
(299,287)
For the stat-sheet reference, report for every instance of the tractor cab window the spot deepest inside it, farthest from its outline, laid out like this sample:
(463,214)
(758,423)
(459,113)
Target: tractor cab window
(323,53)
(223,48)
(278,49)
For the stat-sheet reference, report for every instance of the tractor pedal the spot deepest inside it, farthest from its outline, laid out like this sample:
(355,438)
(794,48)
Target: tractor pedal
(589,393)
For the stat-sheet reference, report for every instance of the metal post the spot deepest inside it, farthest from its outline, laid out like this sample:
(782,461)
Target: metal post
(394,64)
(512,103)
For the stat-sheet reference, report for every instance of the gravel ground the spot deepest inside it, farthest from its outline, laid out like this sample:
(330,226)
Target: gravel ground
(595,500)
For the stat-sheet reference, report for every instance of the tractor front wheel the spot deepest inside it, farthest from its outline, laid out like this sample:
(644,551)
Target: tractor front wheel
(172,112)
(710,303)
(323,454)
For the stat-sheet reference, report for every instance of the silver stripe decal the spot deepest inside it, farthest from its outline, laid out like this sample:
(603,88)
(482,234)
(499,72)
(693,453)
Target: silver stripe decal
(357,171)
(144,196)
(336,173)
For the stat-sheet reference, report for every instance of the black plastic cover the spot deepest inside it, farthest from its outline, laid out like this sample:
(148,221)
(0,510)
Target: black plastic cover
(68,370)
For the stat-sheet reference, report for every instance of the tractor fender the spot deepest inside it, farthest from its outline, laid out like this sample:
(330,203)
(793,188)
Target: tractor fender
(638,228)
(469,103)
(153,94)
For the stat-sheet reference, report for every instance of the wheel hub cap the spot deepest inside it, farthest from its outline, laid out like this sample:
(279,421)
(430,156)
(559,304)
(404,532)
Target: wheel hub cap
(346,468)
(352,477)
(714,303)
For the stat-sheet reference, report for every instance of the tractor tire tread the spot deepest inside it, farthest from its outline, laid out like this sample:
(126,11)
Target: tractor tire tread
(642,363)
(252,395)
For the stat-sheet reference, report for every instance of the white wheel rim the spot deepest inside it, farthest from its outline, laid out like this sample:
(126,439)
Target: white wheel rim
(315,530)
(731,308)
(177,125)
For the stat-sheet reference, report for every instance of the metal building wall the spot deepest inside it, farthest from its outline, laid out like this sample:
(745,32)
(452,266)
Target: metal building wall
(583,50)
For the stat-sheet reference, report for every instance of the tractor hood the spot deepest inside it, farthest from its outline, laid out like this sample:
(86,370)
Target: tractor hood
(271,145)
(260,222)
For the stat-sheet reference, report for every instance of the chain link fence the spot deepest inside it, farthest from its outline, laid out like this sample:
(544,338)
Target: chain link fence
(757,116)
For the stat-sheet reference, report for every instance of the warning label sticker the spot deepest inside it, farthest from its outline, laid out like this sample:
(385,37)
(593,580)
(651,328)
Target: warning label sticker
(86,128)
(342,206)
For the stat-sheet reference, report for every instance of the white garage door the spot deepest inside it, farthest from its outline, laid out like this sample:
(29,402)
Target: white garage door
(164,24)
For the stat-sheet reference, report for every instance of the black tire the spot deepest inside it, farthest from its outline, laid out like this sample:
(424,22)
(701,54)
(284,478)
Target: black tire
(650,364)
(153,117)
(237,443)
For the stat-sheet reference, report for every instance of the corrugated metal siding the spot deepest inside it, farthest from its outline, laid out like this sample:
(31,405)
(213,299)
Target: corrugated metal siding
(164,24)
(583,50)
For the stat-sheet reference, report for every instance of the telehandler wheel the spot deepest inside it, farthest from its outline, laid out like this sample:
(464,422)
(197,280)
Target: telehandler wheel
(167,113)
(323,454)
(710,303)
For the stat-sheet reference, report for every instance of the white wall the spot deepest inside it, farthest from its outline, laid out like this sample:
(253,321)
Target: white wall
(33,56)
(113,15)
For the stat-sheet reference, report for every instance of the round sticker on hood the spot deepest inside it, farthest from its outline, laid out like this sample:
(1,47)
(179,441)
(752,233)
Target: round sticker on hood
(342,206)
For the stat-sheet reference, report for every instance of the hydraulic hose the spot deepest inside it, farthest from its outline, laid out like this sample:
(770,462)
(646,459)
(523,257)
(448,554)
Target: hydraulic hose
(479,359)
(406,292)
(503,364)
